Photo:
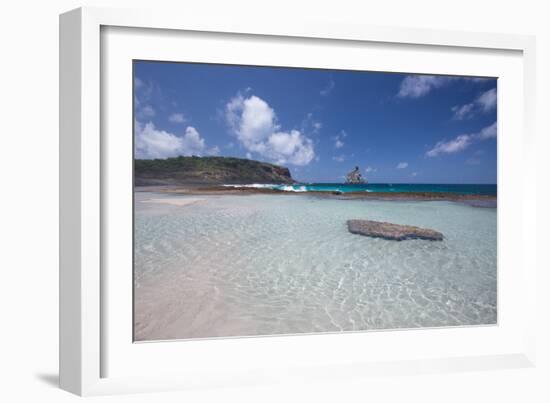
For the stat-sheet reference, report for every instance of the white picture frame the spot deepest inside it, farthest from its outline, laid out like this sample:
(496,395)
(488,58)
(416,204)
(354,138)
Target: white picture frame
(90,341)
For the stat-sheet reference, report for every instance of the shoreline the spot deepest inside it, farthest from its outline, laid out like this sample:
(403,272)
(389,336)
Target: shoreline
(220,190)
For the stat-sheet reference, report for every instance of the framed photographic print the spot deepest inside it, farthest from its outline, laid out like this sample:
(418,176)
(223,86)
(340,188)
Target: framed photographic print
(344,221)
(350,192)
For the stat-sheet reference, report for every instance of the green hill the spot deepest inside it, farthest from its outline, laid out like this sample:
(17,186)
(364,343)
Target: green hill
(207,170)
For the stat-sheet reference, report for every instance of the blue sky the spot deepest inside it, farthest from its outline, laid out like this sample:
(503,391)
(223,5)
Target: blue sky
(397,128)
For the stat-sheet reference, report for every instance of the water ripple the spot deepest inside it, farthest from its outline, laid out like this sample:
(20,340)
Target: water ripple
(253,265)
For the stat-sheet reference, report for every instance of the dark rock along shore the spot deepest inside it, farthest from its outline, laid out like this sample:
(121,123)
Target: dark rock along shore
(390,231)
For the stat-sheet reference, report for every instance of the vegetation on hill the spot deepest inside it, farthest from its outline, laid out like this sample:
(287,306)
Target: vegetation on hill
(207,170)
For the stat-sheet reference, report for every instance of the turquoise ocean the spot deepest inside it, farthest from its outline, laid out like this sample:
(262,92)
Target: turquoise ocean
(470,189)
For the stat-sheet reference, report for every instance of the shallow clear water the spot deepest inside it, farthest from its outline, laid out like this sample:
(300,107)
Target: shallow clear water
(277,264)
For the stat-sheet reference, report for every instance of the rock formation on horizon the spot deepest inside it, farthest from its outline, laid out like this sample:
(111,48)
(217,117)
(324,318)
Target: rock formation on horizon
(355,176)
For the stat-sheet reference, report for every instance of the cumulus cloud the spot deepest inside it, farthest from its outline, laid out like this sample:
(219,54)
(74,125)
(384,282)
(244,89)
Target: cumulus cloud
(339,158)
(485,102)
(177,118)
(462,141)
(192,143)
(415,86)
(370,169)
(402,165)
(151,142)
(254,123)
(213,151)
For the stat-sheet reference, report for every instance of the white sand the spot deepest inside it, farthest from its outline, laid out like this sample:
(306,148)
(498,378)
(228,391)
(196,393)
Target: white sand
(174,202)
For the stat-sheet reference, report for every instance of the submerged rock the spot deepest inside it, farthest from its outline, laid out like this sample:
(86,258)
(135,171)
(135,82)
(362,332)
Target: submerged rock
(390,231)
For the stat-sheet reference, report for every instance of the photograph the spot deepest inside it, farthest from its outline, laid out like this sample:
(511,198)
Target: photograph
(273,200)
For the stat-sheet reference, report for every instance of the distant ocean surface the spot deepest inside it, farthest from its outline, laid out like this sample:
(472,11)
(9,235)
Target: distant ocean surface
(486,190)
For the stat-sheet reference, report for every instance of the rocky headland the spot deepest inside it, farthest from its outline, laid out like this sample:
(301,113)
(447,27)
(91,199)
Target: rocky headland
(207,171)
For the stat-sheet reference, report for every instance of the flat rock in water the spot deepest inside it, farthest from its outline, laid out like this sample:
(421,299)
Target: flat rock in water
(391,231)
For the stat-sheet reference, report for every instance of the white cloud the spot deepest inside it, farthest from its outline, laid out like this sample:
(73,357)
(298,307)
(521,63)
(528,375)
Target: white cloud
(328,88)
(488,100)
(192,143)
(489,132)
(213,151)
(339,158)
(254,123)
(414,174)
(177,118)
(415,86)
(485,102)
(146,111)
(151,142)
(146,93)
(252,120)
(402,165)
(338,140)
(463,111)
(370,169)
(462,141)
(457,144)
(418,85)
(309,125)
(293,148)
